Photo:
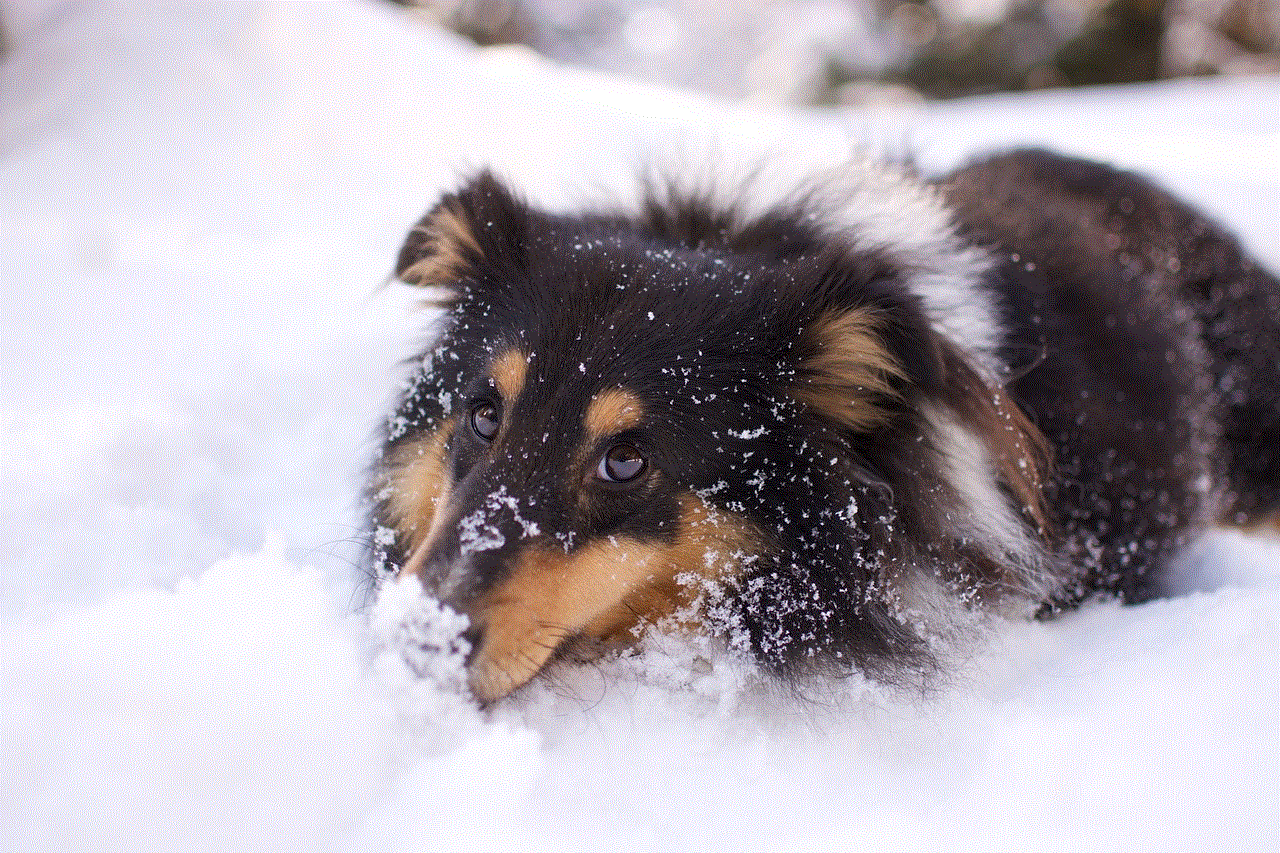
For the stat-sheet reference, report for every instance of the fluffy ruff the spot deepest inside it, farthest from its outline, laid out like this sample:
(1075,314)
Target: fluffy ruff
(829,427)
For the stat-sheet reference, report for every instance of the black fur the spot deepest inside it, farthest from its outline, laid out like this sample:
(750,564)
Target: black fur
(1147,347)
(1133,334)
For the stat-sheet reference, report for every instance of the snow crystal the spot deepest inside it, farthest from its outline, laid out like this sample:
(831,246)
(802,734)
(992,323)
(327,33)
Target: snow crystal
(397,425)
(851,511)
(478,533)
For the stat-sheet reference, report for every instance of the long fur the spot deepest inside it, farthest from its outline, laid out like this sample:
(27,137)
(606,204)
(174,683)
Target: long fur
(862,410)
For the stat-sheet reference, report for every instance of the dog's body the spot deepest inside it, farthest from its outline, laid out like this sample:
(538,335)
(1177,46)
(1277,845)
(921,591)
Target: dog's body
(826,429)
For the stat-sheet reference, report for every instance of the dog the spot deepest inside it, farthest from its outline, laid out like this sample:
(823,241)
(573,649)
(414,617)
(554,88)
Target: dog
(824,427)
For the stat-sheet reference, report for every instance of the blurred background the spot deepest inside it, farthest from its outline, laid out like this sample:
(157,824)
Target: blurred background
(868,51)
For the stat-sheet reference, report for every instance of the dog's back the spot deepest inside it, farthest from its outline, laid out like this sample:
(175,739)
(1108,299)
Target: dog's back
(1145,345)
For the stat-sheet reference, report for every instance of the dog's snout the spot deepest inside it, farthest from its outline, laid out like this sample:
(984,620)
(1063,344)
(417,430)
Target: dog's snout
(475,547)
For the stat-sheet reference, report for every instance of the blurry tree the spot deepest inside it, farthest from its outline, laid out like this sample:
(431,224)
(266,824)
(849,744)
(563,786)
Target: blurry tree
(1028,47)
(841,51)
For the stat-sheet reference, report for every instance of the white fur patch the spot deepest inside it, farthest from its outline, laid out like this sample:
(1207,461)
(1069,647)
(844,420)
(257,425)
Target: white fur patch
(986,517)
(887,208)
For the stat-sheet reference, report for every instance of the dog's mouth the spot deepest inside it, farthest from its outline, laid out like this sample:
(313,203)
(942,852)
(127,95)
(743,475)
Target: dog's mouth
(512,628)
(530,601)
(491,679)
(506,658)
(543,602)
(441,643)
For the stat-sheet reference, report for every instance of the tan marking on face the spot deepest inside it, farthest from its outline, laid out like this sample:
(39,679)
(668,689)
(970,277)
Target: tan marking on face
(605,591)
(549,597)
(713,546)
(508,371)
(849,371)
(611,412)
(419,484)
(443,239)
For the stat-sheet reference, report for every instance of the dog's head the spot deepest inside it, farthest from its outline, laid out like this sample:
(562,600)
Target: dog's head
(619,414)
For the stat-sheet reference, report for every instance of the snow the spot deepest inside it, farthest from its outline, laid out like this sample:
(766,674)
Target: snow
(199,206)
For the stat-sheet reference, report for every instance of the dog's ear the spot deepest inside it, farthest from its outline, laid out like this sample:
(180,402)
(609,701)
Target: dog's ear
(848,374)
(865,341)
(870,347)
(479,229)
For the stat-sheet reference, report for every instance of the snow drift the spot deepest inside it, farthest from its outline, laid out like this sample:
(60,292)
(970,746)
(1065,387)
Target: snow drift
(197,208)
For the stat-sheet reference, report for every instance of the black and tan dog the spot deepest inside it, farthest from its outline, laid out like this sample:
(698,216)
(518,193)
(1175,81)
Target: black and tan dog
(824,427)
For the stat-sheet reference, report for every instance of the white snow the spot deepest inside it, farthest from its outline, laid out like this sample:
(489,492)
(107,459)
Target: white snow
(198,206)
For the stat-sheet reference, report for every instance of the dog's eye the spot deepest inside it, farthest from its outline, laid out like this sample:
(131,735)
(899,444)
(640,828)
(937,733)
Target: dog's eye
(621,464)
(484,420)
